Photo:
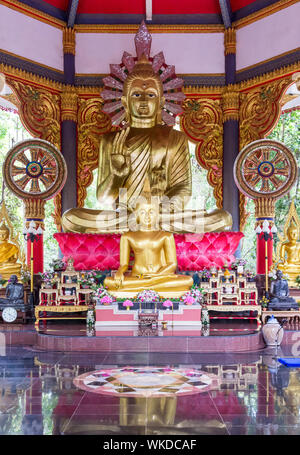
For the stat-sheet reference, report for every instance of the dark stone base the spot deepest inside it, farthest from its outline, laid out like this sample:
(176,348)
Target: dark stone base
(283,306)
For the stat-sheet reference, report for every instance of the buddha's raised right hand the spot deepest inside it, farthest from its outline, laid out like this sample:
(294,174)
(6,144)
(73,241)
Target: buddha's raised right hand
(120,159)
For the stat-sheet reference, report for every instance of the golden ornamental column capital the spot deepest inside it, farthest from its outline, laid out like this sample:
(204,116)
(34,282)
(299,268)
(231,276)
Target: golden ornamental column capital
(264,207)
(230,41)
(230,105)
(35,210)
(69,43)
(69,105)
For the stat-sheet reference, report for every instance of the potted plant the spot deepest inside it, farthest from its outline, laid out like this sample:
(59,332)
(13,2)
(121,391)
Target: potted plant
(264,301)
(168,304)
(298,281)
(88,279)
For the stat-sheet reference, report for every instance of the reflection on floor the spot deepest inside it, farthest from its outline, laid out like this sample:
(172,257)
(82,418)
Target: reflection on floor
(253,393)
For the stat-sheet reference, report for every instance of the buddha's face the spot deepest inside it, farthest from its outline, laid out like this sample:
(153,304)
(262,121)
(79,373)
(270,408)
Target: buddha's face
(292,234)
(143,100)
(3,236)
(146,216)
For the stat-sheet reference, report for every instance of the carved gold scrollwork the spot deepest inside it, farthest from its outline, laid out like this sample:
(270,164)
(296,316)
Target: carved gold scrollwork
(260,109)
(39,110)
(92,123)
(202,121)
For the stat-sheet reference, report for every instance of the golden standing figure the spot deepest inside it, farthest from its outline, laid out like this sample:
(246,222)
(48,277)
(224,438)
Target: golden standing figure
(155,260)
(145,158)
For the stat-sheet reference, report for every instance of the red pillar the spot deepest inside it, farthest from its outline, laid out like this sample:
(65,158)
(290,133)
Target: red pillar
(38,254)
(261,254)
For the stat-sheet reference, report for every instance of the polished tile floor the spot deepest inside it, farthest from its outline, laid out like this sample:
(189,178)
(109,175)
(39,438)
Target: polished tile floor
(251,393)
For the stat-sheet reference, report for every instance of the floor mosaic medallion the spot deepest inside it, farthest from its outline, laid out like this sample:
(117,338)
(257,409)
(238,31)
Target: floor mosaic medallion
(147,381)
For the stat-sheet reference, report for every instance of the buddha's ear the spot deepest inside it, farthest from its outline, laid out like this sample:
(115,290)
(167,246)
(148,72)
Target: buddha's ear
(162,102)
(124,101)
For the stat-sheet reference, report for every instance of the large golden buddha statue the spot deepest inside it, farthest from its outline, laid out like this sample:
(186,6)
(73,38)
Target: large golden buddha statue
(9,254)
(289,248)
(155,260)
(146,156)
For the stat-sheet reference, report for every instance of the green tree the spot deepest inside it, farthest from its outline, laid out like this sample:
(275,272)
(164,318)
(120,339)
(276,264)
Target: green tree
(11,132)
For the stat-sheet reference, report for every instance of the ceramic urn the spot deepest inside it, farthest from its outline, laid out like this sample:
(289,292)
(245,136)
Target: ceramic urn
(272,332)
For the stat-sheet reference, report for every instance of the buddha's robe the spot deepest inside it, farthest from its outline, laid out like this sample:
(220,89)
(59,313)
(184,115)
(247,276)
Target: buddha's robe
(159,165)
(8,259)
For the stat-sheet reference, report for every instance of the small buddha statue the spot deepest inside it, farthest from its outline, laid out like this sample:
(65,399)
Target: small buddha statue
(9,254)
(144,154)
(279,295)
(155,259)
(14,292)
(289,252)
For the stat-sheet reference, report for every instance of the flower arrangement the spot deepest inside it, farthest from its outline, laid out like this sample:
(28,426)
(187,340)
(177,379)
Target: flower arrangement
(2,281)
(88,279)
(58,264)
(205,275)
(189,300)
(127,303)
(47,277)
(195,295)
(107,300)
(147,296)
(237,263)
(264,301)
(298,281)
(25,276)
(100,292)
(250,275)
(168,303)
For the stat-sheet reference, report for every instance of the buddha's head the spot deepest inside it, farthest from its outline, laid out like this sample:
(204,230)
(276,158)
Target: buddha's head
(4,232)
(147,215)
(292,231)
(143,95)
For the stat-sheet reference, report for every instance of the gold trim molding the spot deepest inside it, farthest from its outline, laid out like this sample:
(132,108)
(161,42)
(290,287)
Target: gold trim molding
(230,41)
(69,40)
(34,13)
(160,28)
(230,105)
(69,104)
(271,9)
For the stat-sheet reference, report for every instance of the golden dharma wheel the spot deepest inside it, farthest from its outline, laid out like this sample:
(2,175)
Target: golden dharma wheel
(34,168)
(265,169)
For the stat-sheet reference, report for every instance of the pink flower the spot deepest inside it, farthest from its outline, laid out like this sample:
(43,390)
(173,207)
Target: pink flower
(106,299)
(167,303)
(189,300)
(127,303)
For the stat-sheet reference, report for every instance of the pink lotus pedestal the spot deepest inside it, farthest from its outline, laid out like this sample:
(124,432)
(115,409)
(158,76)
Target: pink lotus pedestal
(194,251)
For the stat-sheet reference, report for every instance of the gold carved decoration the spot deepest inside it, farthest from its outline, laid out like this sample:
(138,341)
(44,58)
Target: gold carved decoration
(202,120)
(69,104)
(92,123)
(69,40)
(35,209)
(39,110)
(230,104)
(230,41)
